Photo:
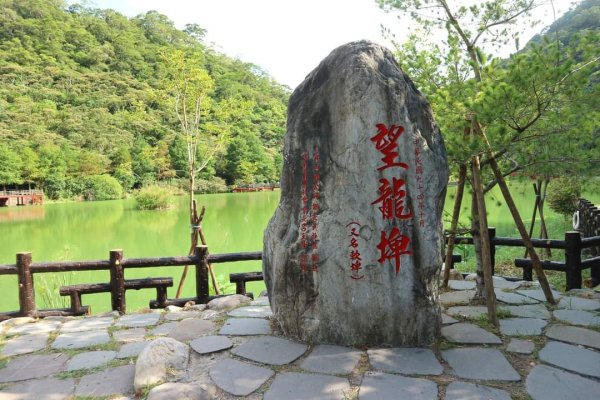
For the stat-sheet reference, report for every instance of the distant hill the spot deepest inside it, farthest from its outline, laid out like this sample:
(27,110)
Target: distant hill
(81,95)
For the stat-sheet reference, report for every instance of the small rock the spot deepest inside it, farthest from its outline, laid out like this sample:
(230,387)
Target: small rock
(228,302)
(158,357)
(195,307)
(210,314)
(584,293)
(179,391)
(173,308)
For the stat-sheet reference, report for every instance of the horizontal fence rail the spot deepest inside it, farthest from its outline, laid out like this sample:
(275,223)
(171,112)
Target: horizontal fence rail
(24,268)
(573,245)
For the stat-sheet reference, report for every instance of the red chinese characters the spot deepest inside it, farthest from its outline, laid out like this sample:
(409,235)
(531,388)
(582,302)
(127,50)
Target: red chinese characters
(355,257)
(419,179)
(392,196)
(309,221)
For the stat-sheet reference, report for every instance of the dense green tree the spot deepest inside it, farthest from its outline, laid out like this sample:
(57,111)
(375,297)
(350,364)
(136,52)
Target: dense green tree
(90,83)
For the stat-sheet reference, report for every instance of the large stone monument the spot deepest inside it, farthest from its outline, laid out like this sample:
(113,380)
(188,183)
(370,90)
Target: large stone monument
(353,252)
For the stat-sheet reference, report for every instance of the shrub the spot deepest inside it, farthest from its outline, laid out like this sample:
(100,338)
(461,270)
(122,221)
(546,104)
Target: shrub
(153,197)
(213,185)
(102,187)
(563,194)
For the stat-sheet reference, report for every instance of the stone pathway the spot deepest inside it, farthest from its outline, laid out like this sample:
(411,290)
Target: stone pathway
(539,352)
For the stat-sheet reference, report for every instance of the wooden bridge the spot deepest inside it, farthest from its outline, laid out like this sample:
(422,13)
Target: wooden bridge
(242,189)
(21,197)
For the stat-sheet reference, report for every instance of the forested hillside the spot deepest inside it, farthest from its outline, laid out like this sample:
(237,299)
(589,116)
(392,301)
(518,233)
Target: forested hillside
(84,93)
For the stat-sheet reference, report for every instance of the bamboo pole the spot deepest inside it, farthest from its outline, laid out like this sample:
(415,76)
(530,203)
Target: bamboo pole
(462,172)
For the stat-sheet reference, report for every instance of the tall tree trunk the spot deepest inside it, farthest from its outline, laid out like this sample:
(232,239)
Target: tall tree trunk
(462,173)
(476,233)
(485,243)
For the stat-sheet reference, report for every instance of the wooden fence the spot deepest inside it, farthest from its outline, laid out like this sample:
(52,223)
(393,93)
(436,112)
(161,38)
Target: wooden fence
(116,264)
(573,245)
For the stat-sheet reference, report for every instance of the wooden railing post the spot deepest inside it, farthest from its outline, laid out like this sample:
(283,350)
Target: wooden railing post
(201,255)
(26,293)
(117,281)
(492,235)
(573,259)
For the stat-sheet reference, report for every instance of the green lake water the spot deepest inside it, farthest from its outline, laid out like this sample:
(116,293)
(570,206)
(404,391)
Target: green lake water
(234,222)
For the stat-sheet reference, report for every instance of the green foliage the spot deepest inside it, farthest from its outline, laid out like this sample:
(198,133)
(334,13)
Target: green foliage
(82,93)
(563,194)
(212,185)
(153,198)
(102,187)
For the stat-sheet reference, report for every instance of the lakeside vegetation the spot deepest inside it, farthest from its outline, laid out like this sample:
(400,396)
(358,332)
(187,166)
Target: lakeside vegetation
(84,99)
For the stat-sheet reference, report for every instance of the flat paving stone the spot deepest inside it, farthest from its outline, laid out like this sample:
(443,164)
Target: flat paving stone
(504,284)
(480,363)
(469,333)
(210,344)
(32,366)
(331,359)
(111,381)
(447,320)
(471,312)
(520,346)
(577,303)
(528,311)
(544,383)
(179,315)
(522,326)
(87,324)
(25,344)
(163,329)
(133,349)
(538,294)
(238,378)
(470,391)
(39,389)
(245,326)
(572,358)
(138,320)
(300,386)
(129,335)
(577,317)
(270,350)
(461,285)
(90,359)
(457,297)
(418,361)
(575,335)
(42,326)
(192,328)
(380,386)
(251,312)
(513,298)
(78,340)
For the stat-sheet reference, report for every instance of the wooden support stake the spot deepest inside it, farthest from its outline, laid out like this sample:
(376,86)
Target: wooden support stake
(26,293)
(491,236)
(117,281)
(573,259)
(202,274)
(490,296)
(462,173)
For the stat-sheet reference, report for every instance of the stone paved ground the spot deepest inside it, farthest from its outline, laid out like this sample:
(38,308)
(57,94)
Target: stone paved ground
(540,352)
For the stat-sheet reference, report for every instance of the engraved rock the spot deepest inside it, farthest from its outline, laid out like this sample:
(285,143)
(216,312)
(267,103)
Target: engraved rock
(352,254)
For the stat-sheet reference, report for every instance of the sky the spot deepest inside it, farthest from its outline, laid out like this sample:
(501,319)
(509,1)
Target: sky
(286,38)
